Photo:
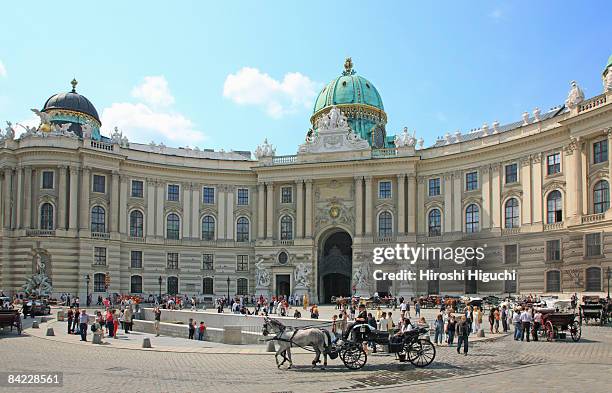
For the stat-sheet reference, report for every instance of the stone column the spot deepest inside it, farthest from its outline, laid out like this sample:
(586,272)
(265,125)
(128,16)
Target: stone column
(159,208)
(457,207)
(84,201)
(195,211)
(358,205)
(229,220)
(495,196)
(536,177)
(62,198)
(123,189)
(401,204)
(526,183)
(308,217)
(114,197)
(448,203)
(368,206)
(19,198)
(412,208)
(8,179)
(186,219)
(269,211)
(150,223)
(485,188)
(609,133)
(299,201)
(573,170)
(27,198)
(73,222)
(221,190)
(261,210)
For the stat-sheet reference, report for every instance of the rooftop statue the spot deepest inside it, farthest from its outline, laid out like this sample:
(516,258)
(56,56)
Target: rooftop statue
(265,150)
(405,139)
(575,96)
(608,80)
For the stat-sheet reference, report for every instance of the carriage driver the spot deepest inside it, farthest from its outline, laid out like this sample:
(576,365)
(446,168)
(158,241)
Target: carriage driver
(362,318)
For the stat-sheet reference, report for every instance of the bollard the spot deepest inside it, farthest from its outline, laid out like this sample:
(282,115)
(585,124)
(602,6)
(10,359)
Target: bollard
(35,324)
(480,333)
(60,315)
(270,347)
(146,342)
(97,338)
(50,332)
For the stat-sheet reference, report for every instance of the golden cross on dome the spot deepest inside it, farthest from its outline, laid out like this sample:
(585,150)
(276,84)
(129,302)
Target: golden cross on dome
(74,83)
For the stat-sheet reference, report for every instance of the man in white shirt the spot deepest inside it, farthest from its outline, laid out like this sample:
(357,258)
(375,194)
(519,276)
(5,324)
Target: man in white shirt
(516,321)
(537,324)
(403,307)
(526,320)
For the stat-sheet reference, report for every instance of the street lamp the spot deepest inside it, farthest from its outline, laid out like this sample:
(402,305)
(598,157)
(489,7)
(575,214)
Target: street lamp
(87,279)
(159,280)
(228,284)
(608,274)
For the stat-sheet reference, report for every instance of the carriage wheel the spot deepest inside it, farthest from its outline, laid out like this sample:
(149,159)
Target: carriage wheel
(576,331)
(550,331)
(421,353)
(353,356)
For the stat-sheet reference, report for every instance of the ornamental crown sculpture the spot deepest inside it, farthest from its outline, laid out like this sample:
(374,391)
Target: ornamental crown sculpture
(265,150)
(575,96)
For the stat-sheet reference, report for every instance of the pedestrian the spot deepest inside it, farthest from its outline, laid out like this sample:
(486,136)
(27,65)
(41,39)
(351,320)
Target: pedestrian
(516,321)
(201,331)
(110,326)
(491,319)
(526,324)
(403,308)
(115,323)
(417,309)
(439,329)
(157,312)
(463,331)
(127,316)
(496,316)
(75,321)
(537,323)
(504,319)
(452,325)
(372,322)
(191,328)
(83,321)
(70,318)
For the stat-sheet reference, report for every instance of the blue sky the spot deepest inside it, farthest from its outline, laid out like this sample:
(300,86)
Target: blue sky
(225,76)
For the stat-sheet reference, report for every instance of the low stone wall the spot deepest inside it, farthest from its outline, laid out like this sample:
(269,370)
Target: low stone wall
(210,334)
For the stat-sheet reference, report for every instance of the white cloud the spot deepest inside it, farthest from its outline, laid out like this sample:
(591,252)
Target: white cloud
(154,91)
(249,86)
(2,69)
(496,14)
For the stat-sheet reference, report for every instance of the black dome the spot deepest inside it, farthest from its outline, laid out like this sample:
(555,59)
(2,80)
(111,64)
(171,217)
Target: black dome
(72,101)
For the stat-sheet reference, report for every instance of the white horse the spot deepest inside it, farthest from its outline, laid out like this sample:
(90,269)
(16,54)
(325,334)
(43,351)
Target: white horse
(318,339)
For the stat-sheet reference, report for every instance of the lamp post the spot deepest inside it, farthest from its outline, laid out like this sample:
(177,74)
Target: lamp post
(159,280)
(228,284)
(608,274)
(88,279)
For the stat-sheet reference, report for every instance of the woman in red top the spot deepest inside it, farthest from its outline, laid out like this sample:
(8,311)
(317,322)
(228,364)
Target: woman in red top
(110,326)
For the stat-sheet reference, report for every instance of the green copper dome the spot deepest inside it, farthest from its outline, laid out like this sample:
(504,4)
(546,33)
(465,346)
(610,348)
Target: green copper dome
(608,65)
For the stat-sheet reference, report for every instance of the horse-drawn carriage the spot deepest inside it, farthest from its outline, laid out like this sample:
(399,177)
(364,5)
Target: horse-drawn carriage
(408,346)
(10,318)
(556,324)
(594,308)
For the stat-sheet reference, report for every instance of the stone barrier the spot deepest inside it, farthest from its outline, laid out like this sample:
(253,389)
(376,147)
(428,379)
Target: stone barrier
(97,338)
(50,332)
(35,324)
(480,333)
(146,342)
(232,335)
(270,347)
(60,315)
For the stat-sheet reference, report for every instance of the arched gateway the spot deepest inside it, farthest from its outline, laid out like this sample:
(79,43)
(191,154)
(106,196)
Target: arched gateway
(335,265)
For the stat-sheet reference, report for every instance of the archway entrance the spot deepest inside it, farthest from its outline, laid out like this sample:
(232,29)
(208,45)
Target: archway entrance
(335,265)
(283,285)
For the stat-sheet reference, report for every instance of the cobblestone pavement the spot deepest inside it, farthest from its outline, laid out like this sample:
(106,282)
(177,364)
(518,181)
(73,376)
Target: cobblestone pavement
(502,365)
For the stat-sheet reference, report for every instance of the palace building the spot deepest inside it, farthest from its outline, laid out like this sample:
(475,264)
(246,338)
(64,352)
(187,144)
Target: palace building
(106,214)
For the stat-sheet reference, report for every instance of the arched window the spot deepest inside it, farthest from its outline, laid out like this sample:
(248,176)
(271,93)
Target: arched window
(172,285)
(435,222)
(472,218)
(512,213)
(136,224)
(207,286)
(99,282)
(601,197)
(173,225)
(554,208)
(242,286)
(593,279)
(385,224)
(242,229)
(286,229)
(98,219)
(208,228)
(136,284)
(46,216)
(553,281)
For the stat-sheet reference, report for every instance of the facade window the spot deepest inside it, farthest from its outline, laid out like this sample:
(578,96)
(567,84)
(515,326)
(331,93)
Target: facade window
(283,258)
(242,229)
(173,192)
(173,285)
(510,254)
(242,286)
(510,286)
(286,228)
(511,210)
(553,250)
(593,279)
(434,221)
(286,195)
(208,228)
(553,164)
(554,212)
(99,183)
(100,256)
(385,224)
(172,260)
(600,151)
(46,216)
(243,196)
(384,190)
(136,259)
(207,261)
(173,225)
(601,197)
(553,281)
(434,187)
(99,282)
(136,223)
(136,284)
(593,244)
(47,180)
(137,189)
(472,218)
(207,286)
(208,195)
(471,181)
(511,173)
(98,219)
(242,263)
